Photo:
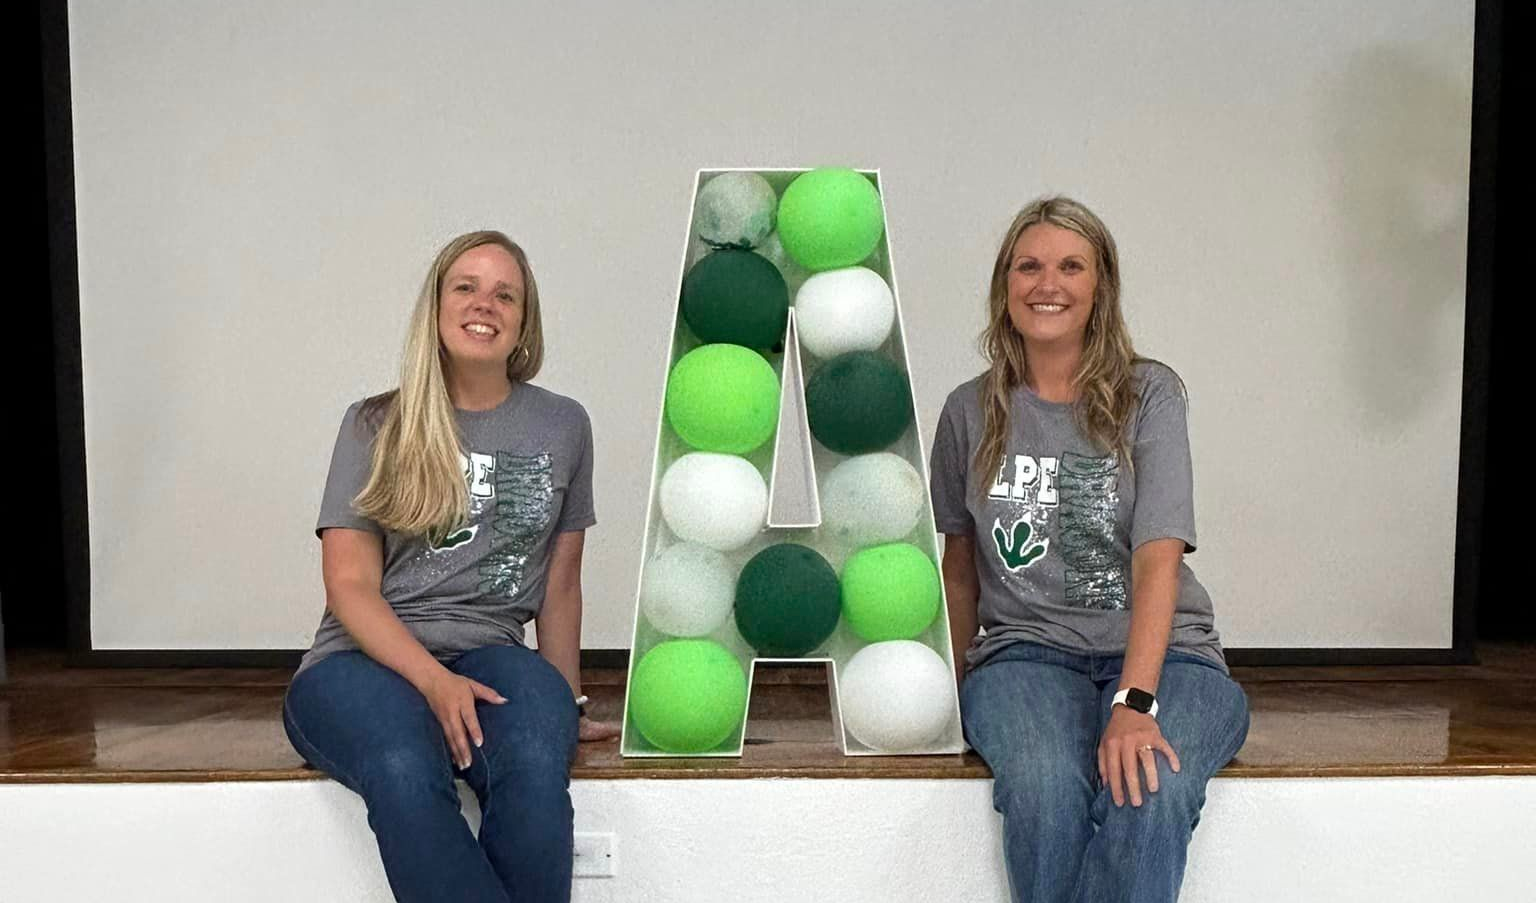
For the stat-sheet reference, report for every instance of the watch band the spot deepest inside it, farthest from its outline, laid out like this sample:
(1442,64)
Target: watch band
(1137,701)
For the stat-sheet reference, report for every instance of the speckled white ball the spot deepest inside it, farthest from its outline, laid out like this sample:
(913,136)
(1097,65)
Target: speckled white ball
(897,696)
(688,590)
(794,274)
(872,499)
(716,500)
(735,210)
(844,310)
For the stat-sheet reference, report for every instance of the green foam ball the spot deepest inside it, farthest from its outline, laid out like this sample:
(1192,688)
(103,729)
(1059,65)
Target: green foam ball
(723,398)
(737,297)
(688,696)
(858,402)
(787,601)
(890,592)
(830,218)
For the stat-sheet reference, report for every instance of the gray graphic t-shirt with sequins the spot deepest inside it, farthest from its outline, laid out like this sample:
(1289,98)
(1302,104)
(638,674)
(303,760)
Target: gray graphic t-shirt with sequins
(1058,520)
(528,471)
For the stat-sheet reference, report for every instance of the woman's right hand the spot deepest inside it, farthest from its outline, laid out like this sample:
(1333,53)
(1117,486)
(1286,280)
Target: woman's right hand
(452,698)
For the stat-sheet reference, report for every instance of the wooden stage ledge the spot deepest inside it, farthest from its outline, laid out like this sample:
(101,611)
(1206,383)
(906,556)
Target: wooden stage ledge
(71,725)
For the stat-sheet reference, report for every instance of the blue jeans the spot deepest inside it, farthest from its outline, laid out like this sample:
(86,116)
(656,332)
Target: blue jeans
(1036,714)
(367,727)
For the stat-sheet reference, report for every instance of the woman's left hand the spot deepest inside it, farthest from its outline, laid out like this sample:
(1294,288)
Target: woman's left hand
(1131,741)
(589,731)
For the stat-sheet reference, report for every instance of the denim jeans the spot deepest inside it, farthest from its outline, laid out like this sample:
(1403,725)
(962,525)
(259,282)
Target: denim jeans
(367,727)
(1036,715)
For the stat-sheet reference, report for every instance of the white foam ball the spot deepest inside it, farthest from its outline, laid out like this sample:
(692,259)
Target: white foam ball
(844,310)
(870,499)
(794,274)
(896,696)
(716,500)
(735,210)
(688,590)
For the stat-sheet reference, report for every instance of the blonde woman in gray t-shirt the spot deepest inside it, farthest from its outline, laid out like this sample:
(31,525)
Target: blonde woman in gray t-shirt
(1098,694)
(453,514)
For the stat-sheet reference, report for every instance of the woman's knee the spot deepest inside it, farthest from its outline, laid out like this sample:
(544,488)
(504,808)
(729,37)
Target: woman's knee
(1175,805)
(1043,789)
(540,745)
(407,775)
(514,671)
(538,722)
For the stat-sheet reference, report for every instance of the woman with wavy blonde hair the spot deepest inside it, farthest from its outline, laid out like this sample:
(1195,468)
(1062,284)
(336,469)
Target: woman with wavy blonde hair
(1062,482)
(454,513)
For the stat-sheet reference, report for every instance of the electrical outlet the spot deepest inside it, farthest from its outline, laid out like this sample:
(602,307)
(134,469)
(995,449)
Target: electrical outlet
(594,856)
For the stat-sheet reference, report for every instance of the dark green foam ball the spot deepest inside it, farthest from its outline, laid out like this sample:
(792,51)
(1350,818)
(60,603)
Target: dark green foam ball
(737,297)
(688,696)
(830,218)
(858,402)
(787,601)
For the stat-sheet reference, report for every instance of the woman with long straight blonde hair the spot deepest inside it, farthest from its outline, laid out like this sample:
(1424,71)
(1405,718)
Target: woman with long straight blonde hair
(454,513)
(1098,693)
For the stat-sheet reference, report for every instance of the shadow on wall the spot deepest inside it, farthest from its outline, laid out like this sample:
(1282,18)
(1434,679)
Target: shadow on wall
(1397,132)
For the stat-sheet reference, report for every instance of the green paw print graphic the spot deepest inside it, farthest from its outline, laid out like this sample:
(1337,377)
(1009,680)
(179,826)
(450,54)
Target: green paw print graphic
(455,539)
(1015,550)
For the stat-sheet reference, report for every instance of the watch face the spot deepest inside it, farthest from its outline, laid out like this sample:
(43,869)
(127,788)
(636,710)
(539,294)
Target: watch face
(1140,700)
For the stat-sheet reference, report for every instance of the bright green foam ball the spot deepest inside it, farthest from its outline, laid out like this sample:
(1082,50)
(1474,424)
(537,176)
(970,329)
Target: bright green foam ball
(723,398)
(890,592)
(830,218)
(688,696)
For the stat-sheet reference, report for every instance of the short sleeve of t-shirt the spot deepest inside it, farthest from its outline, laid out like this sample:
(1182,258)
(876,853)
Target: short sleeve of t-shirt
(947,467)
(350,462)
(1165,502)
(577,512)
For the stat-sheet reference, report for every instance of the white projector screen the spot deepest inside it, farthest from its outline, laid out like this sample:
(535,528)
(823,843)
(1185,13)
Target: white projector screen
(260,187)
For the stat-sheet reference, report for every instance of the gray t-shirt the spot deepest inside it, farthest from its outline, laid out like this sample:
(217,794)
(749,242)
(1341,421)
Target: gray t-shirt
(1055,531)
(528,472)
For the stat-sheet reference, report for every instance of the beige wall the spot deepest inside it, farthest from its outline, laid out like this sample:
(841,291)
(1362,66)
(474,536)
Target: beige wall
(259,190)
